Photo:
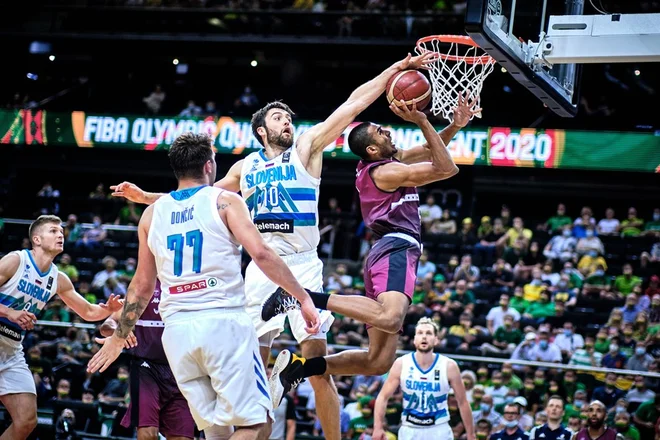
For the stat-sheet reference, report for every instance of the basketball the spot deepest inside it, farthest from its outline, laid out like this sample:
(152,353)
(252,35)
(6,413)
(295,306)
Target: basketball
(410,86)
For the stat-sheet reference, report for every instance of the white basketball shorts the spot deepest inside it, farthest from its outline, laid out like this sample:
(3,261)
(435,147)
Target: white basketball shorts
(15,376)
(214,355)
(434,432)
(308,270)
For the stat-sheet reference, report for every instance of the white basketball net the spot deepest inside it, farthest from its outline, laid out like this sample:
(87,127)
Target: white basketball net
(449,77)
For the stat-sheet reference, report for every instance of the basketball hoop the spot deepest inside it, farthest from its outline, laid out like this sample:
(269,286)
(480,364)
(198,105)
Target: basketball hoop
(460,68)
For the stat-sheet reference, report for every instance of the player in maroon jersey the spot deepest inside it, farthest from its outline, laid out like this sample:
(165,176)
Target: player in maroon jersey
(387,180)
(156,405)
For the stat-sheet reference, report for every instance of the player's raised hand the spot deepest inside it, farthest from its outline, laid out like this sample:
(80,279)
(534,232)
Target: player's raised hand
(129,191)
(115,302)
(110,351)
(131,341)
(465,109)
(311,316)
(407,114)
(23,318)
(423,61)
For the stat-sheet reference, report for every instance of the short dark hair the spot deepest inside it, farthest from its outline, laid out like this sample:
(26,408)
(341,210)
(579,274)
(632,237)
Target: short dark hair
(556,397)
(188,154)
(41,221)
(259,117)
(359,139)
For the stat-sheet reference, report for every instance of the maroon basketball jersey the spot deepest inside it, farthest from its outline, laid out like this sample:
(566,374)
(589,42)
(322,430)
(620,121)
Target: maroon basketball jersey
(149,330)
(609,434)
(386,212)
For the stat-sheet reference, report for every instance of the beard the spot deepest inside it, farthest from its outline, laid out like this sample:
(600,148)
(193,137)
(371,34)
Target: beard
(595,424)
(427,349)
(279,140)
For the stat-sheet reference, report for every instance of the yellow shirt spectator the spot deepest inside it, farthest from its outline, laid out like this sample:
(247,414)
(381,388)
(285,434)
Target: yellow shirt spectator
(518,230)
(588,264)
(532,292)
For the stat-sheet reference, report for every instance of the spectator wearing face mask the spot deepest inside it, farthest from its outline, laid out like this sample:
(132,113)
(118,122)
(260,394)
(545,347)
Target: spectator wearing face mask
(561,247)
(574,409)
(545,351)
(653,227)
(624,427)
(641,360)
(608,393)
(511,421)
(614,358)
(486,411)
(590,243)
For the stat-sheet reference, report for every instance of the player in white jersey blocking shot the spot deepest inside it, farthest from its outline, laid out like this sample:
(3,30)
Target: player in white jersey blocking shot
(190,240)
(28,280)
(426,379)
(281,187)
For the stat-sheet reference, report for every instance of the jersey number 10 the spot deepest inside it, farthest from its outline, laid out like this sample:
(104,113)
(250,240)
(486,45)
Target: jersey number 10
(194,239)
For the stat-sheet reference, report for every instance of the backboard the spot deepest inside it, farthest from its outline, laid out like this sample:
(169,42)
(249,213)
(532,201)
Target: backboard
(542,43)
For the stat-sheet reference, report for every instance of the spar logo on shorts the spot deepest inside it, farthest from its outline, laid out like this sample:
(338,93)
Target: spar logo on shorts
(195,285)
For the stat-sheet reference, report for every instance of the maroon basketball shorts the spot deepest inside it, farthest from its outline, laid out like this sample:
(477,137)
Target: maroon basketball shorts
(392,266)
(158,403)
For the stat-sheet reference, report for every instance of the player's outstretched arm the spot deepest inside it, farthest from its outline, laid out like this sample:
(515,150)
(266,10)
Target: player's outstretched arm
(235,215)
(389,388)
(232,180)
(314,140)
(461,117)
(87,311)
(456,383)
(137,299)
(134,193)
(394,175)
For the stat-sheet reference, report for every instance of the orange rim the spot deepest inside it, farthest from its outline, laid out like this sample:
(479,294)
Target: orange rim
(458,39)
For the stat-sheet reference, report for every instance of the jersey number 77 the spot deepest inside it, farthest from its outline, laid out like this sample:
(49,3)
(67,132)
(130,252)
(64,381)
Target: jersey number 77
(193,239)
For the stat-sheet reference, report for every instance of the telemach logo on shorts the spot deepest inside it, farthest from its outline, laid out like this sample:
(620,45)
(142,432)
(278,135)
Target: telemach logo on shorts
(274,225)
(195,285)
(422,421)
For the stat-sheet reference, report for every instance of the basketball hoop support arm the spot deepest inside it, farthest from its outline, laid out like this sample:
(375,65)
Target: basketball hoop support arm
(584,39)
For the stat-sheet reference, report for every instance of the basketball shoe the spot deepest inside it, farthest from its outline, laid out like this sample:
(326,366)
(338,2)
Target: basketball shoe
(277,303)
(286,375)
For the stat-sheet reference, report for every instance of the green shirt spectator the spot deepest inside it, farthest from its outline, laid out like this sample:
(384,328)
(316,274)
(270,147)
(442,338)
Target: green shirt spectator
(69,271)
(626,282)
(541,309)
(654,225)
(518,302)
(632,226)
(648,411)
(513,336)
(556,222)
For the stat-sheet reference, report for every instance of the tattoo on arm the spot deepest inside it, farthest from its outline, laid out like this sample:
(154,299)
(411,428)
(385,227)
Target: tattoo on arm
(133,309)
(222,205)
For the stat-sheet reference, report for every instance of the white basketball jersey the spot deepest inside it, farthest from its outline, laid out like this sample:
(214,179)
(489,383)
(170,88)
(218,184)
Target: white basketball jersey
(29,289)
(424,392)
(197,258)
(283,200)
